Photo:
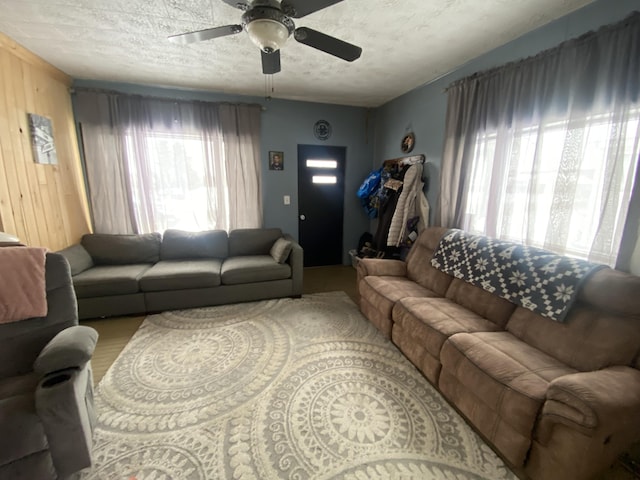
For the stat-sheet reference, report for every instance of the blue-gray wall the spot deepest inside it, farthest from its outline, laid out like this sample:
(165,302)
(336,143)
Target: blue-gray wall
(285,124)
(423,110)
(372,136)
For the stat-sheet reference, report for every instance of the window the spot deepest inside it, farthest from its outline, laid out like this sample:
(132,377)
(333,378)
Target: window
(326,165)
(546,185)
(330,164)
(173,181)
(325,179)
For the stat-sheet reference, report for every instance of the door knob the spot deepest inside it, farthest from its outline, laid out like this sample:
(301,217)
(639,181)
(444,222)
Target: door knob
(302,217)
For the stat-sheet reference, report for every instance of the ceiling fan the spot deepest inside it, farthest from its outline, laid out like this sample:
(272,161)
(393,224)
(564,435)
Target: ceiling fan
(269,24)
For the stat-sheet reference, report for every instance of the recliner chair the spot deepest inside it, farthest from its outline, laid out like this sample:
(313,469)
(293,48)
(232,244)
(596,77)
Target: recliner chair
(46,385)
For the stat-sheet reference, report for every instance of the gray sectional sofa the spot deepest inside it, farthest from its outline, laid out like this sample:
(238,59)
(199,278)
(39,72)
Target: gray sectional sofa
(134,274)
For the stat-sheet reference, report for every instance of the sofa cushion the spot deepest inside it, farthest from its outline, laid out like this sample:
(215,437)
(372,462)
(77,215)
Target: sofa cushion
(589,338)
(419,268)
(181,275)
(253,268)
(612,290)
(502,375)
(601,329)
(384,291)
(252,241)
(479,301)
(432,321)
(107,280)
(78,258)
(378,295)
(179,244)
(106,249)
(281,250)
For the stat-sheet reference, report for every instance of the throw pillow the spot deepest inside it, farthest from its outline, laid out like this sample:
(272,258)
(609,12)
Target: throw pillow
(281,249)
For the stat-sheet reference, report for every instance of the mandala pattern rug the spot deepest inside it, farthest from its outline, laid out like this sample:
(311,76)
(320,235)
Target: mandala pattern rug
(280,389)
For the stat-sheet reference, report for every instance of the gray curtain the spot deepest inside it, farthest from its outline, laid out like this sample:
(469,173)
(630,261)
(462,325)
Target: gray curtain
(106,171)
(579,97)
(243,176)
(155,163)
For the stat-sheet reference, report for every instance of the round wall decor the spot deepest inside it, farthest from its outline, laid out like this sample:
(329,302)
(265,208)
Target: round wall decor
(408,141)
(322,130)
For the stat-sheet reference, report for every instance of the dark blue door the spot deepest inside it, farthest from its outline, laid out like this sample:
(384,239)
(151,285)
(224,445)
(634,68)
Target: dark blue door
(321,203)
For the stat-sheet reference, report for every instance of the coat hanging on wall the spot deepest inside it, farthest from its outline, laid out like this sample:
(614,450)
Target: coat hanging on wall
(404,211)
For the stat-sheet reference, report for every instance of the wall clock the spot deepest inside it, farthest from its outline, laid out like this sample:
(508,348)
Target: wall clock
(322,130)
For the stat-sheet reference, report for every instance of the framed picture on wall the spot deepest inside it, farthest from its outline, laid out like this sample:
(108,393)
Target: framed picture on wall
(276,161)
(41,131)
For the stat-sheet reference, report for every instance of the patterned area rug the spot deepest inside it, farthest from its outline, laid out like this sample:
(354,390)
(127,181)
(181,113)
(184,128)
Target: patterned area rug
(279,389)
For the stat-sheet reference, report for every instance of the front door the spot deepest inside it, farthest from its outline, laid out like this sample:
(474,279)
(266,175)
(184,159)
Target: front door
(321,203)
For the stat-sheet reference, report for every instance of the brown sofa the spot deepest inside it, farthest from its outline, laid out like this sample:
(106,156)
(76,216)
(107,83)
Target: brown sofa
(556,400)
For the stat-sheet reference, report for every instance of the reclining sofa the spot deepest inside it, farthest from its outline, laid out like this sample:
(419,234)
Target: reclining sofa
(556,399)
(135,274)
(46,385)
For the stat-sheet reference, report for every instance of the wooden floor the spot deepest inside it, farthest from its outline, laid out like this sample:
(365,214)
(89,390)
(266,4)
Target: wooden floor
(116,332)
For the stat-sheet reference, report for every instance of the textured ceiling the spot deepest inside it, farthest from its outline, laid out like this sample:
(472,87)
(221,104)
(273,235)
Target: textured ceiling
(405,43)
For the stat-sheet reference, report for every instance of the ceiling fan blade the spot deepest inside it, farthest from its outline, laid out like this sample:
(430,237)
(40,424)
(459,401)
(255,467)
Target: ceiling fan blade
(207,34)
(270,62)
(301,8)
(327,44)
(241,4)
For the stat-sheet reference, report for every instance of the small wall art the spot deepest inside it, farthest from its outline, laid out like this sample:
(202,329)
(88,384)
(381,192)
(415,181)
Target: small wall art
(322,130)
(408,142)
(276,161)
(42,144)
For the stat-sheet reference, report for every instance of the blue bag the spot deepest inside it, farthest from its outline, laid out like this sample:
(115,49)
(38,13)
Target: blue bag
(370,184)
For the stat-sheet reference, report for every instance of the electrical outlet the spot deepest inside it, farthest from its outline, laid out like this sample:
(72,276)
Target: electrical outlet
(287,200)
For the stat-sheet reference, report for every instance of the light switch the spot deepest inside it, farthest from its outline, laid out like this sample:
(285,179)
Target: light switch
(287,200)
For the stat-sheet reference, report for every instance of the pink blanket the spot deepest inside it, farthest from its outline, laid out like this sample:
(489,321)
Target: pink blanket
(22,283)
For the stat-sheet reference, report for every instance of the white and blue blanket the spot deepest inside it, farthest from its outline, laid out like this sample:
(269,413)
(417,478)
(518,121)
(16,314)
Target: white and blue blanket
(536,279)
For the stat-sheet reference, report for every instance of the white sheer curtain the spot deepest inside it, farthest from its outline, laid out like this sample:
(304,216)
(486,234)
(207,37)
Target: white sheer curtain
(186,165)
(544,151)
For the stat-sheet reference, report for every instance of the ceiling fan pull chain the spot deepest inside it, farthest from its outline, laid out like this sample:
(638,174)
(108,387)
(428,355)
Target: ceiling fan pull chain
(269,87)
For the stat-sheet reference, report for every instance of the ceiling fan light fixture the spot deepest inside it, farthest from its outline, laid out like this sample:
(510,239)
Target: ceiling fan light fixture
(268,35)
(269,24)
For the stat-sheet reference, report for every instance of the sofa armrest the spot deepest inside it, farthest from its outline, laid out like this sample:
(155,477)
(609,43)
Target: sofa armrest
(78,258)
(379,266)
(600,403)
(71,348)
(64,404)
(296,261)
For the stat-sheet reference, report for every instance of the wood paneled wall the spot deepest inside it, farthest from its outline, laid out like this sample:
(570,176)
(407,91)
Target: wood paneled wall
(43,205)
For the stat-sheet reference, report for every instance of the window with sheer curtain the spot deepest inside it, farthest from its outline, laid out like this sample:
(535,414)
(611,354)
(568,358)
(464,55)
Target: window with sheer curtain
(176,189)
(552,181)
(154,164)
(544,151)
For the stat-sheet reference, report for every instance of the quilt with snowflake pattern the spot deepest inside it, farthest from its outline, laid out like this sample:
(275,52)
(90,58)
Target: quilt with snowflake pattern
(536,279)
